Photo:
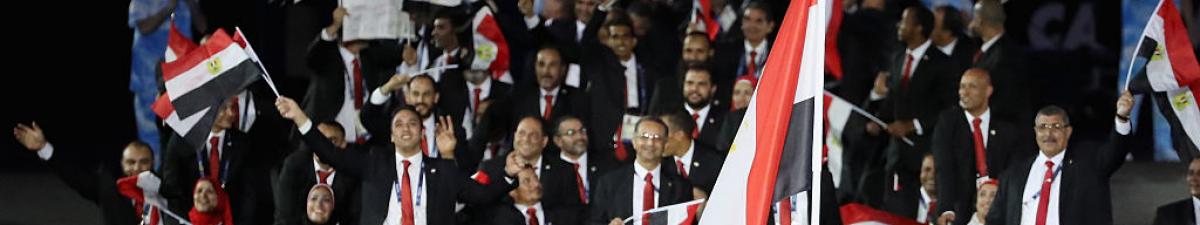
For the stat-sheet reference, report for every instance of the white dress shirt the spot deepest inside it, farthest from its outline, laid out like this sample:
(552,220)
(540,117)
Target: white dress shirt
(631,82)
(984,124)
(431,136)
(583,168)
(317,170)
(1033,185)
(948,49)
(639,183)
(542,101)
(395,210)
(686,159)
(484,89)
(702,112)
(923,207)
(1196,208)
(541,214)
(579,27)
(760,55)
(988,44)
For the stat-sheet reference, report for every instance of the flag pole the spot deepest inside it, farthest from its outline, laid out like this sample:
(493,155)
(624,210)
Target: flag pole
(864,113)
(1138,47)
(266,75)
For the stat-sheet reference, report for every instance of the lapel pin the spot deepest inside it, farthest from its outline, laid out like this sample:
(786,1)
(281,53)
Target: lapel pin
(993,132)
(547,167)
(696,164)
(433,170)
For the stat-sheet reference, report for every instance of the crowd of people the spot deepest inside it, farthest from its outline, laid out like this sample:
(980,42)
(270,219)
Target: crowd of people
(613,107)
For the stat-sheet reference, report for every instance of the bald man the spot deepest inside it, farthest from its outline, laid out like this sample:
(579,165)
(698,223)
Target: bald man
(969,145)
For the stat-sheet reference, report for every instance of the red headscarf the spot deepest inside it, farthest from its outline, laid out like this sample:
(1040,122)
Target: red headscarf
(220,214)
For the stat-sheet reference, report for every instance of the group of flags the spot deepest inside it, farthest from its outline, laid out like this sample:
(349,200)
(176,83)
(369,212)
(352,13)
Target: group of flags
(1164,66)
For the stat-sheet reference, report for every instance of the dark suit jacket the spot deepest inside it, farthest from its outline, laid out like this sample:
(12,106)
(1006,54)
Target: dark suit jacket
(954,155)
(298,176)
(930,90)
(96,183)
(563,33)
(246,176)
(327,88)
(377,119)
(963,54)
(706,165)
(613,197)
(1177,213)
(569,101)
(376,168)
(1005,62)
(668,98)
(507,214)
(1084,195)
(557,177)
(729,130)
(607,95)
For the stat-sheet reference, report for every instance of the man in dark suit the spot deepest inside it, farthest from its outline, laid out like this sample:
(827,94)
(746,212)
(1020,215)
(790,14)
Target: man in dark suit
(422,95)
(971,146)
(619,87)
(527,208)
(227,156)
(303,169)
(1183,211)
(524,30)
(696,163)
(1061,185)
(465,90)
(91,179)
(550,99)
(344,73)
(450,38)
(917,87)
(529,143)
(570,138)
(1000,56)
(579,30)
(616,197)
(748,53)
(399,184)
(948,35)
(697,91)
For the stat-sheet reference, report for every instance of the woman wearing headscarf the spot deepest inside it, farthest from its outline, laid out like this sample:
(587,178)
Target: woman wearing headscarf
(210,204)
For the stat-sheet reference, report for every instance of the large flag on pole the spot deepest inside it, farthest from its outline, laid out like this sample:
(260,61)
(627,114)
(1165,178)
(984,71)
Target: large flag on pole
(200,81)
(771,157)
(1166,68)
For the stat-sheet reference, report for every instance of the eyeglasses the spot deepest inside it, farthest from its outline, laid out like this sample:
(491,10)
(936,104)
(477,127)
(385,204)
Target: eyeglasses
(649,137)
(1051,127)
(572,132)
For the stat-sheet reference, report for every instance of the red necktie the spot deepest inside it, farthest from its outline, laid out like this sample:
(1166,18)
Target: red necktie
(1044,202)
(406,208)
(475,103)
(579,183)
(978,54)
(154,216)
(696,131)
(549,107)
(682,170)
(322,175)
(929,212)
(907,71)
(980,155)
(785,211)
(621,153)
(532,213)
(647,198)
(358,84)
(752,64)
(214,158)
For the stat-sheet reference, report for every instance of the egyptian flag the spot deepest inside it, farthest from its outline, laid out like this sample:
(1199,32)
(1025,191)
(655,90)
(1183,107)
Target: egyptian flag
(677,214)
(1170,62)
(177,44)
(491,50)
(1166,68)
(143,190)
(199,83)
(772,154)
(859,214)
(837,113)
(704,15)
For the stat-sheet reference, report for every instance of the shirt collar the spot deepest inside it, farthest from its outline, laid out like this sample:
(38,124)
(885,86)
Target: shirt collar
(641,173)
(919,51)
(1057,159)
(761,48)
(521,208)
(986,116)
(703,110)
(581,161)
(687,157)
(347,56)
(949,48)
(988,44)
(484,87)
(551,92)
(415,160)
(631,62)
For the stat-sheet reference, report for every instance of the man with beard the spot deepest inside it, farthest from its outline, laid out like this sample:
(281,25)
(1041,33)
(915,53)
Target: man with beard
(422,95)
(697,53)
(698,89)
(550,99)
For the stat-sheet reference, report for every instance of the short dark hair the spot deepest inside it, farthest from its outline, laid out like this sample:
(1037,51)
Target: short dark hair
(952,20)
(423,76)
(924,18)
(1054,110)
(648,119)
(617,17)
(562,119)
(761,6)
(408,108)
(680,120)
(541,123)
(136,144)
